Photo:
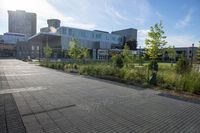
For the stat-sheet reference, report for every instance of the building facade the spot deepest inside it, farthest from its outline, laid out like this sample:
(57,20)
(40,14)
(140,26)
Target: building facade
(22,22)
(98,42)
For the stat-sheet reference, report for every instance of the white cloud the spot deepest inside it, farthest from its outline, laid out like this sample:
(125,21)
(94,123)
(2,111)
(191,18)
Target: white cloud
(142,35)
(44,11)
(176,40)
(181,40)
(186,20)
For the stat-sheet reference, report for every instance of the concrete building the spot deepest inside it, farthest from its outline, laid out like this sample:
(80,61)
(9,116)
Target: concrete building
(22,22)
(188,52)
(13,38)
(98,42)
(8,43)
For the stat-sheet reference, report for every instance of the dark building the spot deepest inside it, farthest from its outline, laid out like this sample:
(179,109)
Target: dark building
(22,22)
(130,37)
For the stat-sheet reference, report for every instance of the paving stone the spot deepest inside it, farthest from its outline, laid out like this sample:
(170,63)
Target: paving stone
(99,105)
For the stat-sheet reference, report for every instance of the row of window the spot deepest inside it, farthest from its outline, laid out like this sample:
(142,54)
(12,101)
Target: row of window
(91,35)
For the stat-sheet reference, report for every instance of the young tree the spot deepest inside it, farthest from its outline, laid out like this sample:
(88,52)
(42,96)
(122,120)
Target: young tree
(74,50)
(154,45)
(47,52)
(172,54)
(198,54)
(84,53)
(127,56)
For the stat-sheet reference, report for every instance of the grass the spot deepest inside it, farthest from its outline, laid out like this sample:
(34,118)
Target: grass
(133,73)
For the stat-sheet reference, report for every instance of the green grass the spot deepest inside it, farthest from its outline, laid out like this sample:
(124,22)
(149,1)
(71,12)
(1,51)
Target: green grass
(167,77)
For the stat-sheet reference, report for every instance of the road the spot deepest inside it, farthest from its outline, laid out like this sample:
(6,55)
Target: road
(35,99)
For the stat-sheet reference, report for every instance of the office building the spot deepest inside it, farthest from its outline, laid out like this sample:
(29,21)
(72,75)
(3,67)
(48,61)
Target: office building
(22,22)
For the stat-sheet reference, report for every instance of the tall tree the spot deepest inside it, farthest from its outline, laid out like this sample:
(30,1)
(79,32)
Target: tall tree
(154,44)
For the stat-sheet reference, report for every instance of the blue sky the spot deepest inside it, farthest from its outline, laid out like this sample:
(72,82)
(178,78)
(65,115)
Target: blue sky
(181,18)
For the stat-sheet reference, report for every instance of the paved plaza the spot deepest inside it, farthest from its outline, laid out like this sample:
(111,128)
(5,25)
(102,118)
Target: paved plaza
(35,99)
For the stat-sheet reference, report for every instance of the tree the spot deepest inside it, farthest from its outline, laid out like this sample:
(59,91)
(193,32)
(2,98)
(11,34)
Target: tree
(127,56)
(154,45)
(172,54)
(198,54)
(84,53)
(74,50)
(47,52)
(183,65)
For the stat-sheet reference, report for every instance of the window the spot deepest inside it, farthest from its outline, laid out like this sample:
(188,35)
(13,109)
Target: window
(113,38)
(82,34)
(107,38)
(38,48)
(70,32)
(92,35)
(33,48)
(64,30)
(98,36)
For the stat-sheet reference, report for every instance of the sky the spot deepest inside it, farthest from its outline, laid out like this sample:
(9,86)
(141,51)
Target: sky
(181,18)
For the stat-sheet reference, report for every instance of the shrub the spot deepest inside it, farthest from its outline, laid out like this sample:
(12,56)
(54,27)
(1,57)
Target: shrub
(118,61)
(183,65)
(189,82)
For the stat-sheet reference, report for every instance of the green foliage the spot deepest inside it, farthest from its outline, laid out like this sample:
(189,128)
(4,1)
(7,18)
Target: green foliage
(171,53)
(84,53)
(153,65)
(76,51)
(156,41)
(183,65)
(47,51)
(198,54)
(166,76)
(127,56)
(118,61)
(140,60)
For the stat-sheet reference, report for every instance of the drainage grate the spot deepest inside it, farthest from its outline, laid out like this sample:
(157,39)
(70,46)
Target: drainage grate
(46,111)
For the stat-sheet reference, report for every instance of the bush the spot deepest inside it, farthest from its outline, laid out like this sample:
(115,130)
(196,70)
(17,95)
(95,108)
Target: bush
(183,66)
(189,82)
(118,61)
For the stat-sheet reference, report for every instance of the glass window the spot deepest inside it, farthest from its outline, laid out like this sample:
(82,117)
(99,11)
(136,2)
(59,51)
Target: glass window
(64,30)
(98,36)
(70,32)
(113,38)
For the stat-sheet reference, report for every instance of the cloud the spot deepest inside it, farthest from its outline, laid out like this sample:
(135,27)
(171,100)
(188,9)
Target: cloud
(176,40)
(186,20)
(142,35)
(44,11)
(181,40)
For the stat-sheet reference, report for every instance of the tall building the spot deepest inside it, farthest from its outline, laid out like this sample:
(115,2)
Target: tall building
(22,22)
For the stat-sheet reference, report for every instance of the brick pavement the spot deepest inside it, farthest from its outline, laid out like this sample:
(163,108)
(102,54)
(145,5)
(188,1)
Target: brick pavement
(42,100)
